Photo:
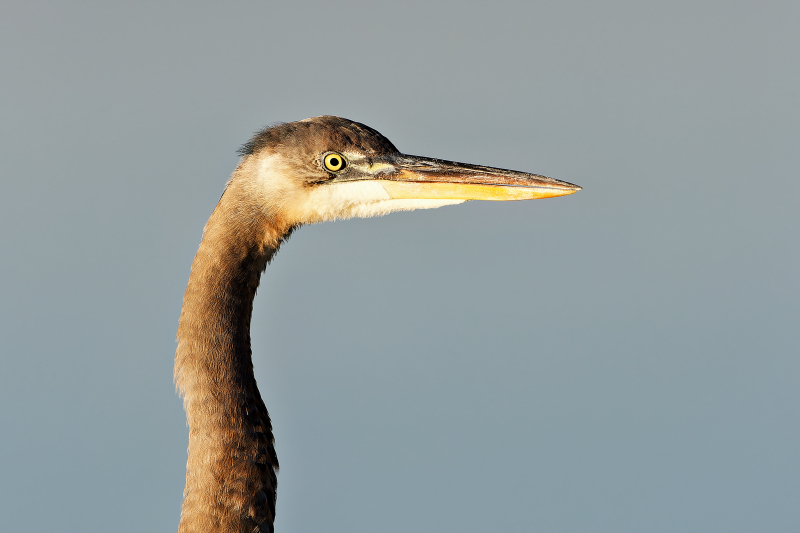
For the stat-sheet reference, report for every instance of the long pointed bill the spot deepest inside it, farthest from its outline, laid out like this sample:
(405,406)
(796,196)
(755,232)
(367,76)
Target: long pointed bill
(408,176)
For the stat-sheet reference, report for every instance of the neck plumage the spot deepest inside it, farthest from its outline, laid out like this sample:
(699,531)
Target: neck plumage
(230,474)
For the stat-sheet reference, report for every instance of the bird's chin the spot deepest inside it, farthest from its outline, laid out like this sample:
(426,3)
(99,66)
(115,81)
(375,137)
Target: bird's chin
(356,199)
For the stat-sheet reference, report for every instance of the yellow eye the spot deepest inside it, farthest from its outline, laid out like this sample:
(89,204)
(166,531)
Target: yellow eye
(334,162)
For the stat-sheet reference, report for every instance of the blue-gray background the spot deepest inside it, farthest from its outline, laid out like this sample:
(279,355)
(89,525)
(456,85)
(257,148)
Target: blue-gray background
(622,360)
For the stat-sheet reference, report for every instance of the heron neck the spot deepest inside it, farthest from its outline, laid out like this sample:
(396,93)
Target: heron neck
(230,476)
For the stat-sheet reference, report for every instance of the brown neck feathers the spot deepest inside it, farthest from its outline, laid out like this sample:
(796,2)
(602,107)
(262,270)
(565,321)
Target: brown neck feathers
(230,474)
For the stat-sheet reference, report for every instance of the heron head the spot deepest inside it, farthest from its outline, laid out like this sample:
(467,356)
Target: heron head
(327,168)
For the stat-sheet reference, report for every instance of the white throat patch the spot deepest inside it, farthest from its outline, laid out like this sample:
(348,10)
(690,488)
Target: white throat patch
(359,199)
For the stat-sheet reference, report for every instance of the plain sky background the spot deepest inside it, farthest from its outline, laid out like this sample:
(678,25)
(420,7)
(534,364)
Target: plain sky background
(625,359)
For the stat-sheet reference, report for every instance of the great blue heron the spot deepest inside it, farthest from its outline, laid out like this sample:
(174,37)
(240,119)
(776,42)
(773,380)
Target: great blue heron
(319,169)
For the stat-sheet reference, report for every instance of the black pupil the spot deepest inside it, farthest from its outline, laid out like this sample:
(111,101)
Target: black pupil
(334,161)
